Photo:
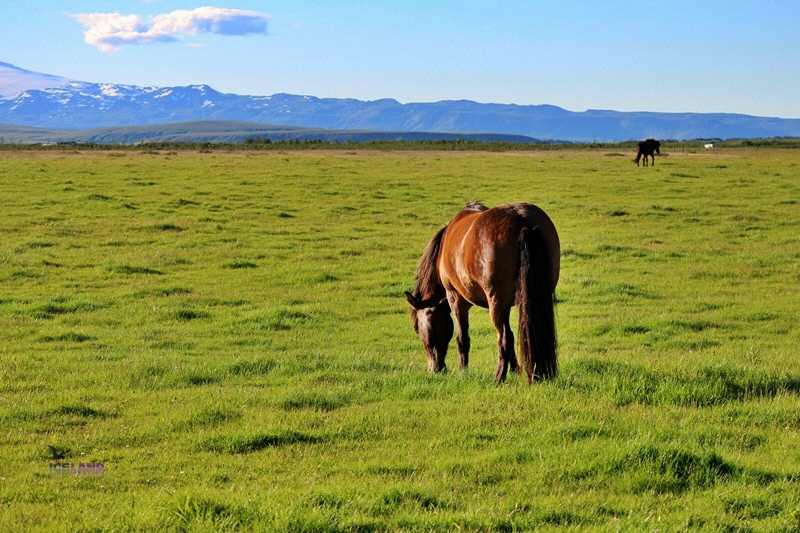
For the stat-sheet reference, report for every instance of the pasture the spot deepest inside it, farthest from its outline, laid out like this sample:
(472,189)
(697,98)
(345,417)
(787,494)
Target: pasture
(227,334)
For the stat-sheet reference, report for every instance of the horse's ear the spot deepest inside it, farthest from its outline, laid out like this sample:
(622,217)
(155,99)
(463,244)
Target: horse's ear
(413,302)
(443,304)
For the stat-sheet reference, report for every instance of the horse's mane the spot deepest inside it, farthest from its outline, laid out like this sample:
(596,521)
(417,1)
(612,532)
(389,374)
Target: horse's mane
(427,282)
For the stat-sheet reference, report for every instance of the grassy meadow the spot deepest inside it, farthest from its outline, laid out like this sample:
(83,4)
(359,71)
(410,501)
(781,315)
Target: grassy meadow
(226,334)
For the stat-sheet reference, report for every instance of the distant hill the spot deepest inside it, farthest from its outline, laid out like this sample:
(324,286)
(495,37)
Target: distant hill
(66,104)
(14,80)
(226,131)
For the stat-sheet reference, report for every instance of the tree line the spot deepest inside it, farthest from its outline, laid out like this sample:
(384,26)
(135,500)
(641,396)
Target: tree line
(266,144)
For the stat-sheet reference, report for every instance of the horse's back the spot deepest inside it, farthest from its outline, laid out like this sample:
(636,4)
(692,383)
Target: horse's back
(480,250)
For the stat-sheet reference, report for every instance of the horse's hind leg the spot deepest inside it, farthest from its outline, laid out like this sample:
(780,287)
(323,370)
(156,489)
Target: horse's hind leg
(505,344)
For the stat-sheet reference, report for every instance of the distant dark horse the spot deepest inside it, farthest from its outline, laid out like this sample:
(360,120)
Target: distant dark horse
(493,258)
(646,148)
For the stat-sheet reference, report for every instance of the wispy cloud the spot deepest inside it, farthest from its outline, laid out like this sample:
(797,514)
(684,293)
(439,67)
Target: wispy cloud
(109,31)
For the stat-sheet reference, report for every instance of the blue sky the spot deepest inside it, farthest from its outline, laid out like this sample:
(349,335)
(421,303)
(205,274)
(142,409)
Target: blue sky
(675,56)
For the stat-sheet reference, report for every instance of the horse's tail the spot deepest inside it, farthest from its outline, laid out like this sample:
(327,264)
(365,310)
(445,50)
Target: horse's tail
(537,326)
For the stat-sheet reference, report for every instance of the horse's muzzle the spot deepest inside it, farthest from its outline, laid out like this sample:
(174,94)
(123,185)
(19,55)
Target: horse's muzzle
(436,360)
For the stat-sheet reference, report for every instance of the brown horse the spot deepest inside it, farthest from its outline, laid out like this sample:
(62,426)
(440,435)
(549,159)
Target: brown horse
(646,148)
(493,258)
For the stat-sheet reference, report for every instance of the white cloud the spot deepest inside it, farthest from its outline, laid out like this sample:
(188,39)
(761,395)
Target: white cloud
(109,31)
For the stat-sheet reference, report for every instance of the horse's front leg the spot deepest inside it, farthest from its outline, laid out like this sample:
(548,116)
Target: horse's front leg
(461,309)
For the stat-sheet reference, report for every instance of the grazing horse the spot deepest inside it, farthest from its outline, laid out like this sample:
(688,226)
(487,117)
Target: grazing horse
(646,148)
(493,258)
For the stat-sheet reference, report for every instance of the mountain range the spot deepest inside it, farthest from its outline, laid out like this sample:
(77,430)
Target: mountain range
(46,101)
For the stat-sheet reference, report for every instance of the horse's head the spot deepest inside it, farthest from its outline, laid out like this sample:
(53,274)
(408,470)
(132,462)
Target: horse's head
(434,325)
(655,144)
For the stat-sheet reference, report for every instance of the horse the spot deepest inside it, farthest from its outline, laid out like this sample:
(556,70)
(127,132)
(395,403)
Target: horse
(493,258)
(646,148)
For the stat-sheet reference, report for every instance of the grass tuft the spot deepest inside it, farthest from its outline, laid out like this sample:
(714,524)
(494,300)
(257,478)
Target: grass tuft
(200,513)
(664,469)
(626,384)
(80,411)
(70,336)
(248,368)
(239,444)
(186,315)
(167,227)
(314,401)
(132,270)
(239,264)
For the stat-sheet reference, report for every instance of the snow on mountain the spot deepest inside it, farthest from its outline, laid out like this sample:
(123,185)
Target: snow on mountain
(44,101)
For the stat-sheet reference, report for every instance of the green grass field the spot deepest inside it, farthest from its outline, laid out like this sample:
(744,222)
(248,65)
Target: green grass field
(227,334)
